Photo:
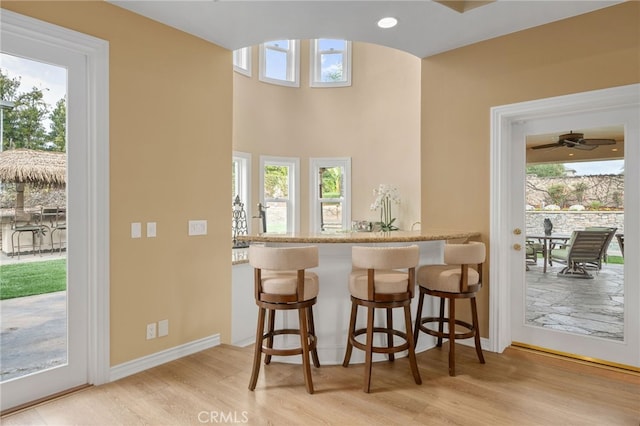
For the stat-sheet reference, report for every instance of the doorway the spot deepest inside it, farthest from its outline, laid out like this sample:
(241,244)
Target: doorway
(510,127)
(86,61)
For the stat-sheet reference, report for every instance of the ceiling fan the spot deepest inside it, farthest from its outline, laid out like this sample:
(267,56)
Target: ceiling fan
(576,140)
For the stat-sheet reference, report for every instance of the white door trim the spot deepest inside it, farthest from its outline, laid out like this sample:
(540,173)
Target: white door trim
(503,122)
(96,173)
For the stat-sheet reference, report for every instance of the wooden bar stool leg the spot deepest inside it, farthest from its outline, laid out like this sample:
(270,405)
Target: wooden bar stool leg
(476,330)
(369,349)
(312,332)
(416,330)
(392,356)
(452,337)
(441,323)
(270,329)
(412,350)
(257,353)
(304,344)
(352,329)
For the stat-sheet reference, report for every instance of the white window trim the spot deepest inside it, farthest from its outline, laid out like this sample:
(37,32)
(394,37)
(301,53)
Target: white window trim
(293,66)
(244,185)
(245,53)
(315,66)
(314,203)
(293,207)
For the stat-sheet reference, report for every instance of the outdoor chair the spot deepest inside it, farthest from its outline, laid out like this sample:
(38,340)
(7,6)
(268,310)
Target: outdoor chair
(27,222)
(611,235)
(583,249)
(531,252)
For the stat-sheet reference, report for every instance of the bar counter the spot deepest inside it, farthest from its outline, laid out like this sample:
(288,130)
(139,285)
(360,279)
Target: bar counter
(331,311)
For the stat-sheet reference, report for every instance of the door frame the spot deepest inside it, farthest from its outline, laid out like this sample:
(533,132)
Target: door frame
(94,172)
(505,121)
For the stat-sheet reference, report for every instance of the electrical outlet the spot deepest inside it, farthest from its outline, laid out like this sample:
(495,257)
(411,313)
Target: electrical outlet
(163,328)
(151,331)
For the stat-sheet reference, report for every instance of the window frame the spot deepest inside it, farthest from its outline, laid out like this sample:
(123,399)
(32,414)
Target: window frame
(293,64)
(315,65)
(244,54)
(243,182)
(293,203)
(315,202)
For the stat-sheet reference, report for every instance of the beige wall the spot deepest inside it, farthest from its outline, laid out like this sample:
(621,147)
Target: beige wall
(376,122)
(170,153)
(168,160)
(588,52)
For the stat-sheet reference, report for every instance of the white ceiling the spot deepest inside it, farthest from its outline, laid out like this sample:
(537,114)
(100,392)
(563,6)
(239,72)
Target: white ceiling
(425,27)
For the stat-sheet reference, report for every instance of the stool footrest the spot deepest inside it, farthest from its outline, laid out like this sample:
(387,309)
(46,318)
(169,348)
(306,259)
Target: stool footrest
(445,334)
(381,349)
(286,351)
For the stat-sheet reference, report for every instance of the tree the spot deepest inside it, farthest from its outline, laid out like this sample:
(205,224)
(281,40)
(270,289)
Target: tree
(546,170)
(579,189)
(558,194)
(58,133)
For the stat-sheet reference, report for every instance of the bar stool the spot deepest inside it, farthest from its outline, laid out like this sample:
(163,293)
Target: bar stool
(281,283)
(454,280)
(383,277)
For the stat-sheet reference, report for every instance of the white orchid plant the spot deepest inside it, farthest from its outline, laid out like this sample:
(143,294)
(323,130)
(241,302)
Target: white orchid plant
(385,196)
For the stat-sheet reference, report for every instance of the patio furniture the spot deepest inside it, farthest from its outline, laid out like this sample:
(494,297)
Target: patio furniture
(547,243)
(584,248)
(27,222)
(612,233)
(531,252)
(620,238)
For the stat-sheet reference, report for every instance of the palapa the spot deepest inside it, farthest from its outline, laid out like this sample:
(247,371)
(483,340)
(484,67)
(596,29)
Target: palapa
(21,166)
(32,166)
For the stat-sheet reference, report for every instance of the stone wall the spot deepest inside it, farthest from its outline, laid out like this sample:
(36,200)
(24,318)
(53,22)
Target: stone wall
(564,222)
(589,191)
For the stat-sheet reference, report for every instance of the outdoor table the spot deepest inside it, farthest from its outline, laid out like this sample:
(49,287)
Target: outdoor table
(547,242)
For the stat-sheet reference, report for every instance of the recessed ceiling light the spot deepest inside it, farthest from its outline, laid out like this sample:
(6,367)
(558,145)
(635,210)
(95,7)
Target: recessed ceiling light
(388,22)
(614,149)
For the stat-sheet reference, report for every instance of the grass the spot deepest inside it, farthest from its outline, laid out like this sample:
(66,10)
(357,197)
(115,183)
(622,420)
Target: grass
(31,278)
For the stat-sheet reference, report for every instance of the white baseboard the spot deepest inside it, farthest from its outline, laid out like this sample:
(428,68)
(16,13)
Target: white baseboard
(137,365)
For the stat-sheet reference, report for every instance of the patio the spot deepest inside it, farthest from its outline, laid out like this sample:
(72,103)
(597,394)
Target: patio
(592,307)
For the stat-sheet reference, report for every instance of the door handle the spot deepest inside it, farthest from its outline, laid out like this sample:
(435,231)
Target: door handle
(517,231)
(517,247)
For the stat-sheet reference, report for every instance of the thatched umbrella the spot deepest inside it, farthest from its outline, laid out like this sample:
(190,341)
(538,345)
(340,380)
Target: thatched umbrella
(22,166)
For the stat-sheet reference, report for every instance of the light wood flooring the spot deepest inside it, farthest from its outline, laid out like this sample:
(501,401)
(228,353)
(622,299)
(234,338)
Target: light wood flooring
(518,387)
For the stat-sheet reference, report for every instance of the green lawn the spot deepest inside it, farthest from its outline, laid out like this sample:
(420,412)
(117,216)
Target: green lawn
(30,278)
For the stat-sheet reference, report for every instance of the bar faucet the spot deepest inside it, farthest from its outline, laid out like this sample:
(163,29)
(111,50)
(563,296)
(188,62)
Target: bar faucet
(262,214)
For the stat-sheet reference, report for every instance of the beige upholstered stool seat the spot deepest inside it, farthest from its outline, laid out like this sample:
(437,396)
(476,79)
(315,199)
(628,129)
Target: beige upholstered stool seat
(282,283)
(286,283)
(445,277)
(459,278)
(383,278)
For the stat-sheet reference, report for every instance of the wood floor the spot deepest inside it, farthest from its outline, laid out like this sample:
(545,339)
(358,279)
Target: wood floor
(517,387)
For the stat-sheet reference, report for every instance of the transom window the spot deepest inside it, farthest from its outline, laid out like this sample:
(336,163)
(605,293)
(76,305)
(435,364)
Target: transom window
(242,61)
(330,63)
(280,62)
(331,194)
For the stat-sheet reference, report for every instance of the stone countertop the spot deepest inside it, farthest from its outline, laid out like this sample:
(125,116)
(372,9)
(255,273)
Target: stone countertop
(363,237)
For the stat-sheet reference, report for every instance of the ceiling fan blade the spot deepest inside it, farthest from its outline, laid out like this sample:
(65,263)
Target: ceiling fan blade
(596,142)
(549,145)
(584,147)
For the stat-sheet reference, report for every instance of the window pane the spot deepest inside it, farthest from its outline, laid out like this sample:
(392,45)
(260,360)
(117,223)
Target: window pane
(276,182)
(331,182)
(276,217)
(235,175)
(276,64)
(331,67)
(331,216)
(328,44)
(281,44)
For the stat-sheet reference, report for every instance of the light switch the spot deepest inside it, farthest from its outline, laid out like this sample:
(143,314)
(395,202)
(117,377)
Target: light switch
(197,227)
(136,230)
(151,229)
